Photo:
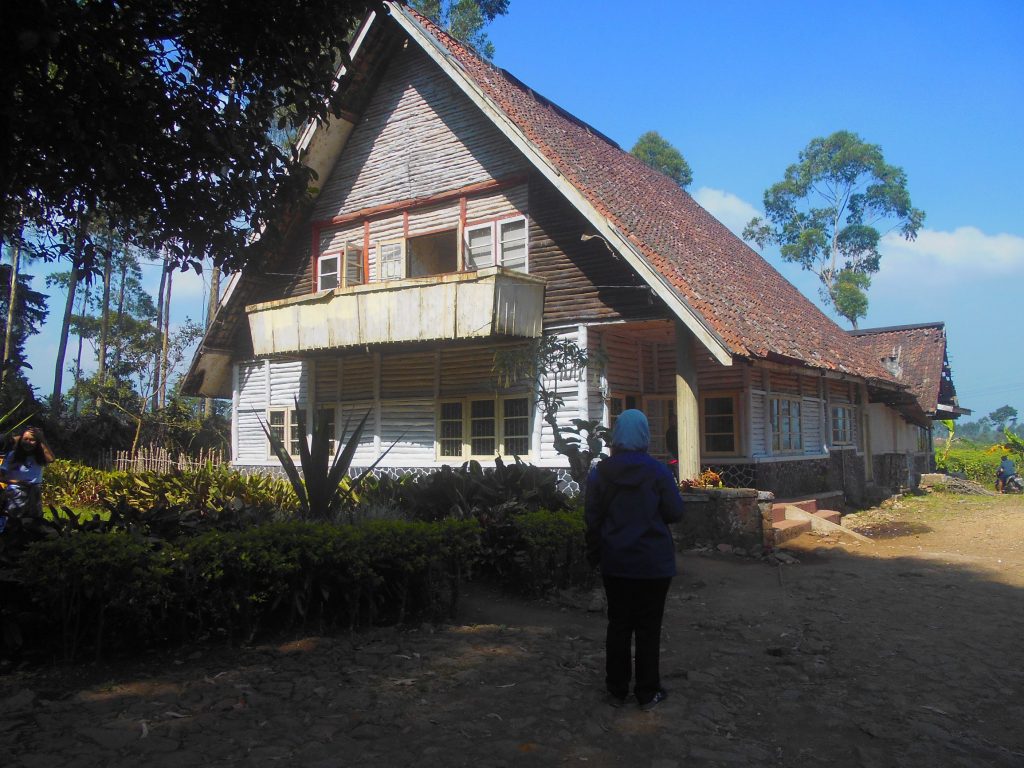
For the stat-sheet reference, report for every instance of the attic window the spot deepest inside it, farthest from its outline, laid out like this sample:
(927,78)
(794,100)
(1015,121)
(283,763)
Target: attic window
(327,273)
(502,243)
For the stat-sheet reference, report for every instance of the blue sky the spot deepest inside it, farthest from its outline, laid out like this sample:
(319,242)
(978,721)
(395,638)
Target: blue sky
(741,87)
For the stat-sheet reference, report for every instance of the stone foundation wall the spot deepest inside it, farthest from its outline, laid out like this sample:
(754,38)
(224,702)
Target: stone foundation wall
(730,515)
(895,472)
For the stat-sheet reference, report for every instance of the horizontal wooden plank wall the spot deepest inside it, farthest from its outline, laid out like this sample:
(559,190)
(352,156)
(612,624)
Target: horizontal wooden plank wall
(584,282)
(418,136)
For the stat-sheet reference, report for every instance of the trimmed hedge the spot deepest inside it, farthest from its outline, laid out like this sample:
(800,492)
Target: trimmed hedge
(111,591)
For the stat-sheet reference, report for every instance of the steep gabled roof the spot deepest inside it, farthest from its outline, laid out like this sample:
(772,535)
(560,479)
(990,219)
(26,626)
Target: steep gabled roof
(728,295)
(744,303)
(916,356)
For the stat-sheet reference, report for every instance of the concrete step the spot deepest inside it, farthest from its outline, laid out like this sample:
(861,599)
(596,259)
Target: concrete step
(784,530)
(779,508)
(829,514)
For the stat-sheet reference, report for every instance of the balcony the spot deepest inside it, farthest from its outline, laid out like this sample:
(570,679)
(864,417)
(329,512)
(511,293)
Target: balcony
(492,302)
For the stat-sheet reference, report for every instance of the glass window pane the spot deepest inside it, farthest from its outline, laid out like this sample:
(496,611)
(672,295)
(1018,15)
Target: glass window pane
(295,433)
(450,437)
(482,428)
(718,406)
(516,427)
(512,239)
(389,256)
(479,247)
(720,443)
(354,274)
(328,272)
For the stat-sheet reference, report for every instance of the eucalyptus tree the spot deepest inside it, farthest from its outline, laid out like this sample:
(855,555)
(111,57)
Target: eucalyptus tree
(830,213)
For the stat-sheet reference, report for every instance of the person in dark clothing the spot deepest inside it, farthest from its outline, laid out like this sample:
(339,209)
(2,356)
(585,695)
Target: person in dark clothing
(631,498)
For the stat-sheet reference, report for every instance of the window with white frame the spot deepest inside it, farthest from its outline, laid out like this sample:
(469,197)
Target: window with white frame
(502,243)
(480,246)
(327,272)
(390,261)
(483,428)
(285,424)
(719,419)
(329,275)
(842,425)
(785,418)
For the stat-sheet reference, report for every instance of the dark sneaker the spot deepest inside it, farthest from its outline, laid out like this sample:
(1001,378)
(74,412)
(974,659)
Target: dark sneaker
(655,700)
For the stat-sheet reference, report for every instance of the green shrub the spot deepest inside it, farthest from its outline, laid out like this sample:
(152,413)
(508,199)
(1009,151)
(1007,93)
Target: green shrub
(977,464)
(536,552)
(68,484)
(115,591)
(98,588)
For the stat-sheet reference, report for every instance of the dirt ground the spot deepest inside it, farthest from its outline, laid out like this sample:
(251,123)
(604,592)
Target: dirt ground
(904,652)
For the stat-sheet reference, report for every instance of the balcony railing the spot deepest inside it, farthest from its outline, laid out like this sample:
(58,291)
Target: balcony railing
(492,302)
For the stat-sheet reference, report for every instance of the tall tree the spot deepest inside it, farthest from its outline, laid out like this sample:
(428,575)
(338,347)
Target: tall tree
(119,107)
(465,20)
(653,150)
(22,320)
(1002,416)
(830,212)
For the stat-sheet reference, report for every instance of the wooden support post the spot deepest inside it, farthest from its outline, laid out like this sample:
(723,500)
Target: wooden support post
(687,404)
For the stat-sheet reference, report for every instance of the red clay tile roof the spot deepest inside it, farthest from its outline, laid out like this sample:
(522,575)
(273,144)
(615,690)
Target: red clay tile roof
(743,298)
(916,355)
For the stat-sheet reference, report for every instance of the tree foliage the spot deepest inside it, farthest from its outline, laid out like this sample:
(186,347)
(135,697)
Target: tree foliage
(830,212)
(465,19)
(654,151)
(157,116)
(1002,416)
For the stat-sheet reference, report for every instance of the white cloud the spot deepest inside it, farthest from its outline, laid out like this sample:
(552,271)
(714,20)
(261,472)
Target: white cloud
(966,253)
(729,209)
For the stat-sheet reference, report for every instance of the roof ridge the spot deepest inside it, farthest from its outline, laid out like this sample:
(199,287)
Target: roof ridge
(939,324)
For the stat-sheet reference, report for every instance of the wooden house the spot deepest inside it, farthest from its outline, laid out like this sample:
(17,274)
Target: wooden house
(899,435)
(459,212)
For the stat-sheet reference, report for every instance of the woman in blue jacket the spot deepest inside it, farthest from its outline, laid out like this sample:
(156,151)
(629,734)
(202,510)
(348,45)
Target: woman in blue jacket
(631,499)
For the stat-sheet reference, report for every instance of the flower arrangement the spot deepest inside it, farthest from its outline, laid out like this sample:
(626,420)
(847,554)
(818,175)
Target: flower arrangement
(706,479)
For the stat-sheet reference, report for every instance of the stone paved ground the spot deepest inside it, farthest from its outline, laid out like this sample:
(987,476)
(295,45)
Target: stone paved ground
(905,653)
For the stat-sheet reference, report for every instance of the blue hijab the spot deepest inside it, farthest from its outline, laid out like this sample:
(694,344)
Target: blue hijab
(631,432)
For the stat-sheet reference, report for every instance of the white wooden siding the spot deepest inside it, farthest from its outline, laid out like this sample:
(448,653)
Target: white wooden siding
(435,218)
(353,411)
(810,425)
(411,423)
(334,238)
(287,382)
(418,136)
(760,431)
(252,406)
(495,205)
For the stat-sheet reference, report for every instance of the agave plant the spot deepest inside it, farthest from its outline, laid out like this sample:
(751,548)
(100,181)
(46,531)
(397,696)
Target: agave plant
(322,487)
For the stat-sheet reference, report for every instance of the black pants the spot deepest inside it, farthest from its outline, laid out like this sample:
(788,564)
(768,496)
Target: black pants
(635,607)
